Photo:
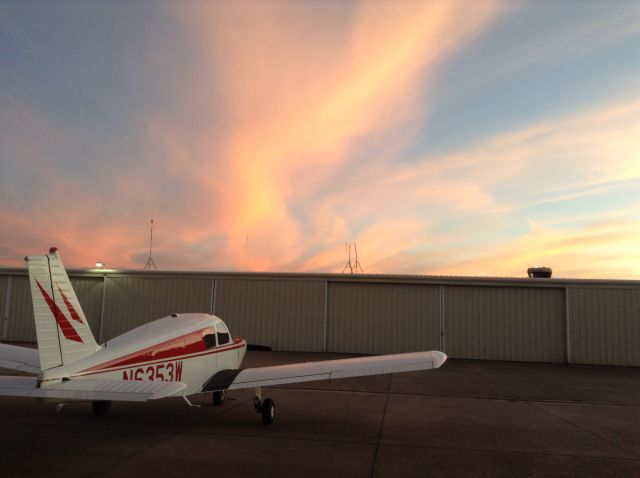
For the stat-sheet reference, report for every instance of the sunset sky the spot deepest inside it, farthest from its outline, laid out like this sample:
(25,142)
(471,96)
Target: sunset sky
(458,138)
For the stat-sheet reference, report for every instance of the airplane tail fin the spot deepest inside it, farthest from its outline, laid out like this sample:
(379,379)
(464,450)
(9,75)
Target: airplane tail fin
(62,329)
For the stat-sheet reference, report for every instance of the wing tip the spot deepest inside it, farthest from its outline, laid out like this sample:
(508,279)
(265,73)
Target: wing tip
(441,358)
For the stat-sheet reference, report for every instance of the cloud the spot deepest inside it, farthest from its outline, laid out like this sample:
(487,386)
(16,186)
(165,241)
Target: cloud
(594,27)
(284,136)
(586,161)
(286,96)
(307,92)
(604,249)
(609,27)
(455,213)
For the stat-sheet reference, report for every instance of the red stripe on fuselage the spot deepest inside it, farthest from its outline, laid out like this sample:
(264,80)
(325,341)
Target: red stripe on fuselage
(67,329)
(217,350)
(189,344)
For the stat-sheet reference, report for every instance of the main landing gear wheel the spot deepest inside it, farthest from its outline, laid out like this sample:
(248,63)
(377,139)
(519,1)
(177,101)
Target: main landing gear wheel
(266,408)
(268,411)
(101,407)
(219,397)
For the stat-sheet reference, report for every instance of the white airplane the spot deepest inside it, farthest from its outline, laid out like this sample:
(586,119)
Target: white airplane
(176,356)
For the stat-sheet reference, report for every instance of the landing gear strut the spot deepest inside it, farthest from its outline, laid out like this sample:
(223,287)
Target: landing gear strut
(266,407)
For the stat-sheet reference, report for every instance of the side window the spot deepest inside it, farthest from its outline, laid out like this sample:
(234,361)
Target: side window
(223,333)
(209,341)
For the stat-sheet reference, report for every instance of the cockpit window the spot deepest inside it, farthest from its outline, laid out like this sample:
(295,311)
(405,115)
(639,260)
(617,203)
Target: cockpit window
(209,341)
(223,333)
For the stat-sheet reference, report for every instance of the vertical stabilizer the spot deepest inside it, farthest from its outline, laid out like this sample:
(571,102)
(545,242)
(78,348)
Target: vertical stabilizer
(62,330)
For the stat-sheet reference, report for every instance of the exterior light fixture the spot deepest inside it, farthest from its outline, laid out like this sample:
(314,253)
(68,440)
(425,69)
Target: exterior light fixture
(100,265)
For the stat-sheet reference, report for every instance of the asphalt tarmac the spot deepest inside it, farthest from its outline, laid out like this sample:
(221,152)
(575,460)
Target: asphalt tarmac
(469,418)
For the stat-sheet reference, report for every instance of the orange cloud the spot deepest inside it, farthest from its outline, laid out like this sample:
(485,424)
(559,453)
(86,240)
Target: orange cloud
(598,250)
(291,143)
(300,91)
(571,159)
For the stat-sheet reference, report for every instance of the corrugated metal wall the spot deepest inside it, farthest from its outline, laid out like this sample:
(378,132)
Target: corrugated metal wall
(135,300)
(89,293)
(283,314)
(88,290)
(505,323)
(382,318)
(554,321)
(4,303)
(21,327)
(605,326)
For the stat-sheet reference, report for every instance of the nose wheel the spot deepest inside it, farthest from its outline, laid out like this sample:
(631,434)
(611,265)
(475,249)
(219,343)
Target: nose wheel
(266,408)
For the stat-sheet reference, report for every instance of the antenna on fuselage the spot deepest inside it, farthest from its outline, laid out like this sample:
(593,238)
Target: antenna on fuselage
(150,262)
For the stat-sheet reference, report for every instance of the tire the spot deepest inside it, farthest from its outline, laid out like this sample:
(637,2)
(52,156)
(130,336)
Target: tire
(219,397)
(101,407)
(268,411)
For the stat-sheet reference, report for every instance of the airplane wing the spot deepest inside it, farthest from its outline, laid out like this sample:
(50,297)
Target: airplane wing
(231,379)
(22,359)
(135,391)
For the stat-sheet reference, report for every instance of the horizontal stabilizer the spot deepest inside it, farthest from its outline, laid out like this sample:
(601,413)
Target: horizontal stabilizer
(21,359)
(134,391)
(325,370)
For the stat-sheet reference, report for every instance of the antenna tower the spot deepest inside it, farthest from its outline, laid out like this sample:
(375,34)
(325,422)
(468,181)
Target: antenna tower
(357,265)
(353,267)
(150,262)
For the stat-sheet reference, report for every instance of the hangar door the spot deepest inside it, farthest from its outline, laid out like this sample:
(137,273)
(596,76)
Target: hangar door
(605,326)
(279,313)
(505,323)
(382,318)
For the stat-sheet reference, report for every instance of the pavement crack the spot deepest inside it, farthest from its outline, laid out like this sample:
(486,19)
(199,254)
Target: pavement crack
(473,397)
(384,414)
(583,429)
(508,451)
(495,384)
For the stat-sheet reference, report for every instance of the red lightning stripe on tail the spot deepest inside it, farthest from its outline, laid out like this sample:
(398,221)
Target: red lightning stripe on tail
(66,327)
(70,308)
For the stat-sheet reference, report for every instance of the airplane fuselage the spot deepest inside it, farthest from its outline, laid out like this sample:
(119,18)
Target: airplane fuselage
(185,348)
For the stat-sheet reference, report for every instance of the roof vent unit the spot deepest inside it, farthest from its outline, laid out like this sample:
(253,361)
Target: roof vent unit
(539,272)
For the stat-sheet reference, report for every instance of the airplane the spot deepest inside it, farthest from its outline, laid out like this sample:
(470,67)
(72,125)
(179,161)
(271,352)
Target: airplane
(176,356)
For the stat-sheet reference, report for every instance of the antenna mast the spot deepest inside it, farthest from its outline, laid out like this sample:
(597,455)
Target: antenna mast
(357,264)
(150,262)
(353,268)
(348,264)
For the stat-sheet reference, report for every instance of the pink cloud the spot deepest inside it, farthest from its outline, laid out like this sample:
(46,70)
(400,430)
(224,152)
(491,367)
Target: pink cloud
(298,108)
(291,143)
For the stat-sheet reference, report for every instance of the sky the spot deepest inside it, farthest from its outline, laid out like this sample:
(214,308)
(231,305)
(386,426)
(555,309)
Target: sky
(441,137)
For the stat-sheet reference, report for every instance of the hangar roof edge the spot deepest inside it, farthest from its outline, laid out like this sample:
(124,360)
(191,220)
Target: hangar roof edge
(335,277)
